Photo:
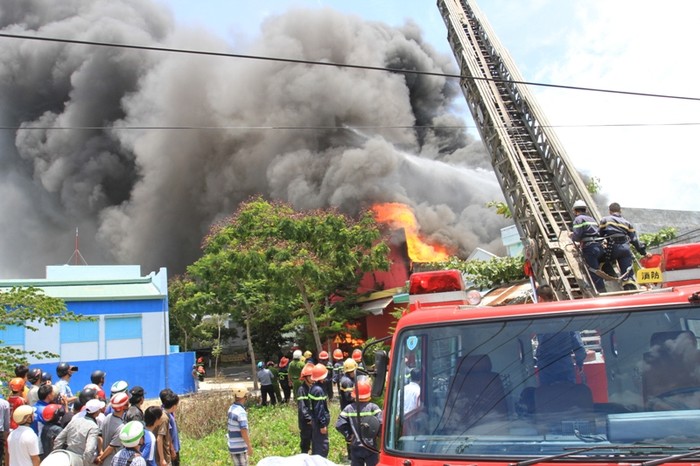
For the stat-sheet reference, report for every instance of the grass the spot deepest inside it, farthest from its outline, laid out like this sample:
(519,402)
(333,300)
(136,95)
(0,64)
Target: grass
(273,430)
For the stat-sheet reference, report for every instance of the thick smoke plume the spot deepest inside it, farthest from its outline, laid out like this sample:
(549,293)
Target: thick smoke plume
(85,140)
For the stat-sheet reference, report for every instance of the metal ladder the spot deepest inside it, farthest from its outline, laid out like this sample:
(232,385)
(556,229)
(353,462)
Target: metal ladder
(538,181)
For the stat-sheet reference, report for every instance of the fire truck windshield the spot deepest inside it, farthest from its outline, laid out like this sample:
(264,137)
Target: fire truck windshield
(521,388)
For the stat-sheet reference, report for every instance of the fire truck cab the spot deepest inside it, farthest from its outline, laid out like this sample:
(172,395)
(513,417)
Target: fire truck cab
(604,380)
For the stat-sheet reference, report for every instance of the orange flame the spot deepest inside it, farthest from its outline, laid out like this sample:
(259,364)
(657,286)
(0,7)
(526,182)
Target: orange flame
(398,215)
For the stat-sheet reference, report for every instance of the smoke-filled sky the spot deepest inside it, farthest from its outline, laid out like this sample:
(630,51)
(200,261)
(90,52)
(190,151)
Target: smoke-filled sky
(86,143)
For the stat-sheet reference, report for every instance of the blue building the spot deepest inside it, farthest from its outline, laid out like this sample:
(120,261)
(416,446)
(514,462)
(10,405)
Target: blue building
(127,335)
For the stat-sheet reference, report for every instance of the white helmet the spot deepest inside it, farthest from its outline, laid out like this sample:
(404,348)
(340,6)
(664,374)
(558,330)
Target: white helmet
(579,204)
(296,354)
(131,433)
(59,458)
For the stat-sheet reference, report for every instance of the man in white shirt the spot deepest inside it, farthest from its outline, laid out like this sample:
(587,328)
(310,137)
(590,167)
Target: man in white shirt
(411,392)
(23,442)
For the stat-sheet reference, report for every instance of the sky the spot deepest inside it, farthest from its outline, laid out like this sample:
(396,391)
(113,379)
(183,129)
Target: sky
(642,149)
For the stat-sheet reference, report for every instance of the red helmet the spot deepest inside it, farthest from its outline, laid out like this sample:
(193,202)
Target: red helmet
(119,401)
(283,362)
(323,355)
(357,354)
(337,354)
(17,384)
(362,391)
(53,412)
(319,372)
(306,371)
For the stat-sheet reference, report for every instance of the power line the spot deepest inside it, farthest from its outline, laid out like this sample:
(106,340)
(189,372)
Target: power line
(337,65)
(320,128)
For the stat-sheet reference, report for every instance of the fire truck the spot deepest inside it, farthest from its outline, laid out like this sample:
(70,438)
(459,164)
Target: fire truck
(606,380)
(591,379)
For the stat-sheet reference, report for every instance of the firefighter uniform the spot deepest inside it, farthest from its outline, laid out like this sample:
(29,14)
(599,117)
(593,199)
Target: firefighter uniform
(352,424)
(619,234)
(587,233)
(321,418)
(304,417)
(347,382)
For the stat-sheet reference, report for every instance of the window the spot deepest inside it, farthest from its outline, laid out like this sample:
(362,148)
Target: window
(80,332)
(123,328)
(12,335)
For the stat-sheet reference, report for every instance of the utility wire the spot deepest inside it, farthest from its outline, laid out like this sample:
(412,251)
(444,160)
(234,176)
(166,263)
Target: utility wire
(338,65)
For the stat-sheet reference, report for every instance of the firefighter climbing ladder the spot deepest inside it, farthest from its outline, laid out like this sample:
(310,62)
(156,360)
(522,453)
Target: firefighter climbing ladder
(538,180)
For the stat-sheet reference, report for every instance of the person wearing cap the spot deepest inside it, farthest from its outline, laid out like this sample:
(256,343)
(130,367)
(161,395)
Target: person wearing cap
(304,415)
(131,437)
(320,416)
(294,372)
(81,435)
(136,397)
(239,445)
(352,424)
(285,386)
(65,371)
(586,233)
(111,426)
(23,443)
(266,384)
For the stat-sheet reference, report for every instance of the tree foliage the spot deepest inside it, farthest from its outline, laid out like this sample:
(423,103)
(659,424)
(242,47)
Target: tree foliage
(30,308)
(658,238)
(269,262)
(487,274)
(501,207)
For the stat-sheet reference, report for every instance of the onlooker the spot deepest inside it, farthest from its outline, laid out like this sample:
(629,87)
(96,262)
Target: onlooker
(239,445)
(65,371)
(131,438)
(111,426)
(135,413)
(46,397)
(320,416)
(81,435)
(4,429)
(545,294)
(361,435)
(152,417)
(33,380)
(266,384)
(170,401)
(23,443)
(411,392)
(51,417)
(21,371)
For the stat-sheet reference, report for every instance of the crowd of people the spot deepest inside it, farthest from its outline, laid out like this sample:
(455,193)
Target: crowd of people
(49,424)
(312,383)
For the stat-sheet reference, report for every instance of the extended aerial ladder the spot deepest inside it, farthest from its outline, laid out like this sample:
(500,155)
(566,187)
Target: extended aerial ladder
(538,181)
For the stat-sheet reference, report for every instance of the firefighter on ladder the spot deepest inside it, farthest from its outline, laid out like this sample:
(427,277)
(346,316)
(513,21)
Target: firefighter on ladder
(587,234)
(619,234)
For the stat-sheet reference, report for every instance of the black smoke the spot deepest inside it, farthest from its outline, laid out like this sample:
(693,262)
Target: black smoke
(85,140)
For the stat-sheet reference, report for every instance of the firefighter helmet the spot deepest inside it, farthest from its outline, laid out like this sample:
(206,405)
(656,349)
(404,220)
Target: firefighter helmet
(131,434)
(306,371)
(283,362)
(21,412)
(349,365)
(319,372)
(53,412)
(17,384)
(296,354)
(357,355)
(362,391)
(323,355)
(119,401)
(337,354)
(307,354)
(580,204)
(239,390)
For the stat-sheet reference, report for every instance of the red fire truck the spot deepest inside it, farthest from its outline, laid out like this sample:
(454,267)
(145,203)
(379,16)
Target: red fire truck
(611,380)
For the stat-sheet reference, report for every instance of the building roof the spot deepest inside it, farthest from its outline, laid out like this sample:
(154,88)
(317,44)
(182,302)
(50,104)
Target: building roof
(74,287)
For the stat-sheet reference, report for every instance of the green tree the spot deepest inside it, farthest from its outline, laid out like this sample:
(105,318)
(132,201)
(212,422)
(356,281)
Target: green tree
(270,259)
(501,208)
(28,307)
(658,238)
(187,306)
(487,274)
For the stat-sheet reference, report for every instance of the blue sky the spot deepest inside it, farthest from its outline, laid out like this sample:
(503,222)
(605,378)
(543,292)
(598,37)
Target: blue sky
(627,45)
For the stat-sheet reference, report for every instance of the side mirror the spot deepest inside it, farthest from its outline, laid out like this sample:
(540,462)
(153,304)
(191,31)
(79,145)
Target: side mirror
(381,360)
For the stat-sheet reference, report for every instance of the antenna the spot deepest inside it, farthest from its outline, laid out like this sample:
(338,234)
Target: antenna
(76,256)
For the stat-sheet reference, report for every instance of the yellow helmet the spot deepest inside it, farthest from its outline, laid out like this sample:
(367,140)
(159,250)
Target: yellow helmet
(307,354)
(349,365)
